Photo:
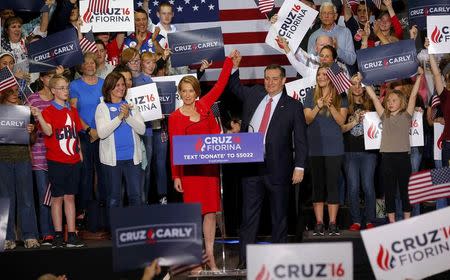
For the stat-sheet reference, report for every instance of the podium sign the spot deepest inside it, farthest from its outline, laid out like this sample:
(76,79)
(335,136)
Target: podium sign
(218,148)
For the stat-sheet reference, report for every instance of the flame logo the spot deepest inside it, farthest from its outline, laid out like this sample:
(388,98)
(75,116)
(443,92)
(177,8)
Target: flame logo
(296,96)
(87,16)
(384,259)
(279,43)
(436,36)
(386,63)
(237,139)
(263,273)
(151,236)
(439,141)
(66,145)
(426,12)
(372,132)
(199,145)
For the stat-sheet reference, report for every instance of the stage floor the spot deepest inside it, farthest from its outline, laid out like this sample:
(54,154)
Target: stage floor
(95,260)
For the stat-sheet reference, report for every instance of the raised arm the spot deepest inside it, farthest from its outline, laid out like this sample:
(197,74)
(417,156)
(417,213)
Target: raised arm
(415,90)
(45,126)
(437,79)
(221,83)
(376,102)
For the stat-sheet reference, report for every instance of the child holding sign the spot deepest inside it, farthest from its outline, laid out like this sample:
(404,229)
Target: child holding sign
(396,115)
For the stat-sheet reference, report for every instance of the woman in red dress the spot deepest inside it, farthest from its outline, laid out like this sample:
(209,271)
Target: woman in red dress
(199,183)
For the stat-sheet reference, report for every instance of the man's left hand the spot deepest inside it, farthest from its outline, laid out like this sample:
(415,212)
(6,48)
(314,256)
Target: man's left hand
(297,176)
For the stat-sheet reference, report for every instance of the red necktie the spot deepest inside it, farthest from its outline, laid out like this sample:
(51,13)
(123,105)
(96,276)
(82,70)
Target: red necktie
(266,117)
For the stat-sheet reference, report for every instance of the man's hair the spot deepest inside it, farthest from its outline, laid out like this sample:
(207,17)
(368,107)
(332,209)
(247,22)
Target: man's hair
(100,42)
(141,11)
(55,79)
(328,4)
(165,4)
(278,67)
(121,68)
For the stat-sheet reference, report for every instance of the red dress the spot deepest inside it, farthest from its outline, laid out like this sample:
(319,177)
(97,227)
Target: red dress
(200,183)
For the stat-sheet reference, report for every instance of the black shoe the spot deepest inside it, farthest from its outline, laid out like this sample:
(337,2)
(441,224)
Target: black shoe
(241,266)
(74,242)
(318,230)
(58,241)
(333,230)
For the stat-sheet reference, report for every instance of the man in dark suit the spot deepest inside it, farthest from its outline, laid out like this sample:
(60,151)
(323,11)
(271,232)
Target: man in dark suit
(269,110)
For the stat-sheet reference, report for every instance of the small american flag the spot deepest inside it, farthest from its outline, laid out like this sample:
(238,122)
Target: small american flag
(429,185)
(266,6)
(87,43)
(7,79)
(216,112)
(377,3)
(435,103)
(98,6)
(48,196)
(338,78)
(25,90)
(178,269)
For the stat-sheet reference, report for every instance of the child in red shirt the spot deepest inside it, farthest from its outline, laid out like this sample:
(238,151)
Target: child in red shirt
(60,123)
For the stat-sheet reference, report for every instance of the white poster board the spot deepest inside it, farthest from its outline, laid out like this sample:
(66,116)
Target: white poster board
(298,89)
(373,128)
(294,20)
(438,32)
(107,16)
(330,260)
(438,131)
(146,98)
(410,249)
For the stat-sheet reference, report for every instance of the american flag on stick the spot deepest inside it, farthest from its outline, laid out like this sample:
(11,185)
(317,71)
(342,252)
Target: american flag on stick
(178,269)
(435,103)
(87,43)
(377,3)
(98,6)
(7,79)
(429,185)
(338,78)
(265,6)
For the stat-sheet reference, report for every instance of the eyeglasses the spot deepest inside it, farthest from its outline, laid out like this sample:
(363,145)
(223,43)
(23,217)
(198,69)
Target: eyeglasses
(62,88)
(134,61)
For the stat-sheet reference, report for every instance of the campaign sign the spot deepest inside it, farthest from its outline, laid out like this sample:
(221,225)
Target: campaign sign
(22,5)
(14,120)
(373,128)
(176,79)
(61,48)
(410,249)
(218,148)
(111,16)
(190,47)
(298,89)
(330,260)
(388,62)
(294,20)
(438,134)
(146,98)
(4,211)
(438,28)
(419,10)
(167,92)
(172,233)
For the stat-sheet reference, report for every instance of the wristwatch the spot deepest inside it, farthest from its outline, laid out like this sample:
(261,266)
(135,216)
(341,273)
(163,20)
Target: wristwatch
(88,130)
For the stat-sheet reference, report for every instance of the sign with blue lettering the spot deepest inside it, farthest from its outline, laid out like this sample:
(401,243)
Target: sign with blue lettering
(190,47)
(61,48)
(218,148)
(388,63)
(14,120)
(172,233)
(418,10)
(167,92)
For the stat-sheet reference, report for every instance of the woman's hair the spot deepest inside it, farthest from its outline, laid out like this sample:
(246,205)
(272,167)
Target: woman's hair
(192,81)
(318,92)
(400,95)
(128,54)
(109,84)
(55,79)
(10,21)
(90,55)
(332,50)
(367,102)
(122,68)
(149,55)
(7,93)
(444,66)
(406,84)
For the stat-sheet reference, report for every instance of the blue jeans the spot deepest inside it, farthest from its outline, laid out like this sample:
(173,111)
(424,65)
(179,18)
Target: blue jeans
(91,163)
(16,183)
(155,150)
(416,158)
(132,175)
(446,157)
(441,202)
(45,216)
(361,168)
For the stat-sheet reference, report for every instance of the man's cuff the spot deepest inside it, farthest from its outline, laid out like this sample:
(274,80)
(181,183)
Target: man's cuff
(299,168)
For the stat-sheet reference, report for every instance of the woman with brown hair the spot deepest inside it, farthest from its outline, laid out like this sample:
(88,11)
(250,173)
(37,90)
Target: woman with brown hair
(119,125)
(199,183)
(325,112)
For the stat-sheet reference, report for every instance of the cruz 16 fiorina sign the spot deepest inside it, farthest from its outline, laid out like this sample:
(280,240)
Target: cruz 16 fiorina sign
(218,148)
(410,249)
